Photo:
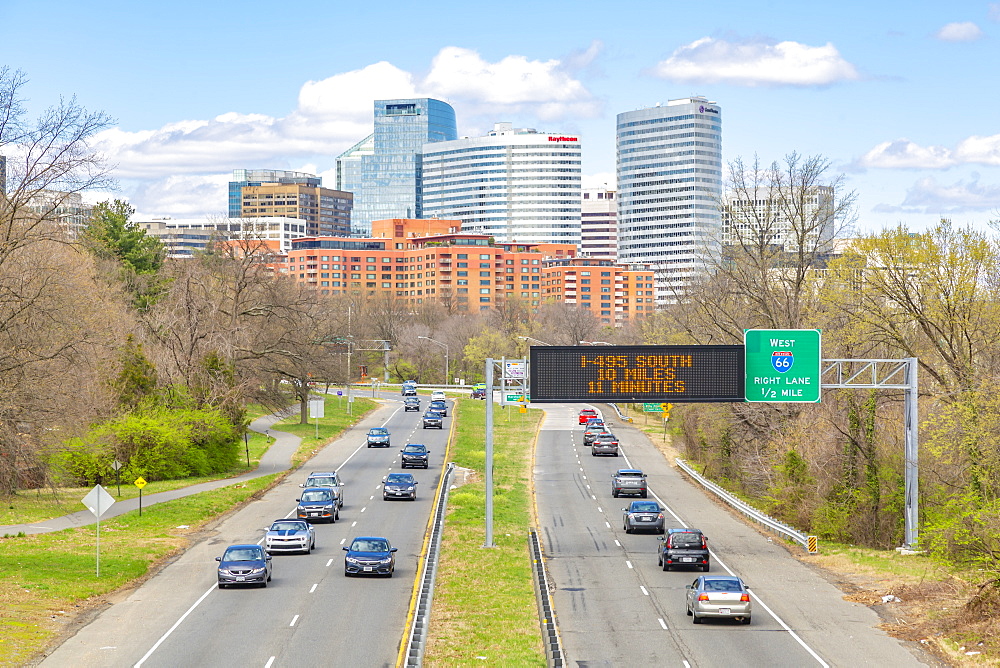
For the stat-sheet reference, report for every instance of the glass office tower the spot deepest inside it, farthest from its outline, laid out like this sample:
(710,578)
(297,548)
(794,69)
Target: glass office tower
(391,177)
(669,189)
(257,177)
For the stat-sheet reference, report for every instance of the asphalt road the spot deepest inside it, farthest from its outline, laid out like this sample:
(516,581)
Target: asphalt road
(616,607)
(310,614)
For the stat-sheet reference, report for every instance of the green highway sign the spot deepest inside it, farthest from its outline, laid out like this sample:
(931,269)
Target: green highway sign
(656,408)
(783,365)
(511,398)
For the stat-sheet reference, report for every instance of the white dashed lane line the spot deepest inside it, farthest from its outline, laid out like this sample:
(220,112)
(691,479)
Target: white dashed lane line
(628,563)
(313,588)
(294,619)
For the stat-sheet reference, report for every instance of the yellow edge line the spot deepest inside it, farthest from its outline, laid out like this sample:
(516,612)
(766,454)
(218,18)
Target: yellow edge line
(401,658)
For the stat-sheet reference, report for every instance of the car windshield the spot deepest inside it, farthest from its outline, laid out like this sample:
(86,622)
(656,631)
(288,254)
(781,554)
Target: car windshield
(320,482)
(242,554)
(722,585)
(685,540)
(288,526)
(378,431)
(645,507)
(414,448)
(316,496)
(369,546)
(399,478)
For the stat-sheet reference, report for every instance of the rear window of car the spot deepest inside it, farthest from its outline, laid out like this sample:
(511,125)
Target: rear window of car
(649,507)
(722,585)
(685,540)
(630,474)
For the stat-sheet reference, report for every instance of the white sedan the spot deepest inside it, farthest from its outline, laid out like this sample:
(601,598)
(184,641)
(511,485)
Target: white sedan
(290,536)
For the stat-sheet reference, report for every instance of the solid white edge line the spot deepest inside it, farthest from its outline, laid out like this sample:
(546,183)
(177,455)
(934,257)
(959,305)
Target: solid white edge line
(174,627)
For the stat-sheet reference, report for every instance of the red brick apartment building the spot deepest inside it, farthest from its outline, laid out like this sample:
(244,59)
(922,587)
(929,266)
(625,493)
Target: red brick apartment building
(421,260)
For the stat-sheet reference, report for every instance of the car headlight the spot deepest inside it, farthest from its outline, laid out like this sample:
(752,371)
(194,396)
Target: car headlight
(257,571)
(328,507)
(385,561)
(351,560)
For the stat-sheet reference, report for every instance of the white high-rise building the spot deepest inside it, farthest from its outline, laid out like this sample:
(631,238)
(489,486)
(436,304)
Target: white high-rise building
(599,223)
(669,189)
(515,184)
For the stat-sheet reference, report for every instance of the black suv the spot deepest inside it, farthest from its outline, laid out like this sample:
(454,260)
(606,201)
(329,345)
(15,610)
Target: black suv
(683,547)
(414,454)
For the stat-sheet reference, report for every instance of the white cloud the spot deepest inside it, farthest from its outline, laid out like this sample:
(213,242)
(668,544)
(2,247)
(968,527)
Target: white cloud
(511,85)
(756,63)
(966,31)
(930,197)
(181,168)
(905,154)
(994,12)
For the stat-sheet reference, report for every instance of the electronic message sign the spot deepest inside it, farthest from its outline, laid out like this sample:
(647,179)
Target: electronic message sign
(636,374)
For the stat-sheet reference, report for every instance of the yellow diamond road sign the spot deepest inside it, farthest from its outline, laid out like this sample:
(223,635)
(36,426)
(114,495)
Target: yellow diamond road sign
(140,483)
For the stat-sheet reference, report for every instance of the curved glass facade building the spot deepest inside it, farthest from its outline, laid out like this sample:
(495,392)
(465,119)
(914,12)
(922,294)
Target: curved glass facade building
(669,188)
(391,176)
(517,185)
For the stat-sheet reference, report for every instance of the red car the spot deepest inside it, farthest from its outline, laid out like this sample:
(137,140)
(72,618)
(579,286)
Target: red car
(587,414)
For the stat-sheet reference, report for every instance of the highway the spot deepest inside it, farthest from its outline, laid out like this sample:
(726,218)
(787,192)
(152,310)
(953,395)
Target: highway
(616,607)
(310,614)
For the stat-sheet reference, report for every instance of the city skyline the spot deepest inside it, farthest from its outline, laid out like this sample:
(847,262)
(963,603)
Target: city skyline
(894,95)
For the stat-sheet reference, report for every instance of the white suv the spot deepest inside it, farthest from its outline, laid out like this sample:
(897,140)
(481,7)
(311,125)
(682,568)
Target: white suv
(437,395)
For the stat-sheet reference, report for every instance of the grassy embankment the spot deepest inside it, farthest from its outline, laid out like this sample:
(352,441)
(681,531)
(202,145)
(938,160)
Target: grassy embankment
(47,579)
(484,610)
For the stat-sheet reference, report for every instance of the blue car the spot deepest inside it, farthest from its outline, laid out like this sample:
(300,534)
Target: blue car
(370,555)
(244,565)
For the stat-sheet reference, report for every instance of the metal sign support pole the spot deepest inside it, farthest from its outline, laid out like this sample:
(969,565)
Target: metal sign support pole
(98,536)
(489,453)
(911,450)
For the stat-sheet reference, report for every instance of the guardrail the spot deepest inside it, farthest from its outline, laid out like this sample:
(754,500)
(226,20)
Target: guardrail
(621,416)
(808,542)
(550,630)
(425,596)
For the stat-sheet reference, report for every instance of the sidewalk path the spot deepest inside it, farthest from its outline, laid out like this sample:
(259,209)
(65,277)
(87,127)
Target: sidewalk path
(277,458)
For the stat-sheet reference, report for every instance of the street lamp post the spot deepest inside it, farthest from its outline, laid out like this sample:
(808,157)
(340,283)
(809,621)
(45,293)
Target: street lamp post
(445,346)
(529,338)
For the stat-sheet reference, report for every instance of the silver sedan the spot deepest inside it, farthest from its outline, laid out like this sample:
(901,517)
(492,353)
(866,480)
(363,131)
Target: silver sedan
(290,536)
(720,596)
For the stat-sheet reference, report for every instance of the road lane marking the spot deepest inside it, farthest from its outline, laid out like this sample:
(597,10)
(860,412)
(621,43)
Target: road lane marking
(370,498)
(616,540)
(294,619)
(584,477)
(608,524)
(330,561)
(628,563)
(644,590)
(313,588)
(174,627)
(269,663)
(664,625)
(354,524)
(366,507)
(599,509)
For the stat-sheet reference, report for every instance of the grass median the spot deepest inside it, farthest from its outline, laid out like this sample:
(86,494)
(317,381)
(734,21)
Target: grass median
(48,580)
(484,610)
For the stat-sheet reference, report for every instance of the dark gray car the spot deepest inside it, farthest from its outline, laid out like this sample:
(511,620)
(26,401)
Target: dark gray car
(433,421)
(399,486)
(604,444)
(643,516)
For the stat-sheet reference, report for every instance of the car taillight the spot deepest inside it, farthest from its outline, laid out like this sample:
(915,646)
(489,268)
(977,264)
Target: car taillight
(702,597)
(660,516)
(745,598)
(704,543)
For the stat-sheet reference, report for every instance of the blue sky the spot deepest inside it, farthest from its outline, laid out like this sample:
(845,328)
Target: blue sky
(900,97)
